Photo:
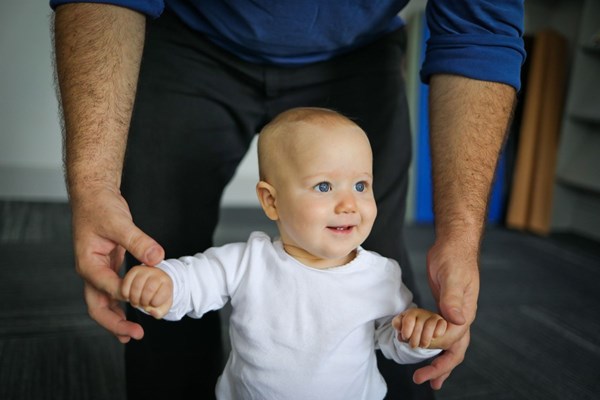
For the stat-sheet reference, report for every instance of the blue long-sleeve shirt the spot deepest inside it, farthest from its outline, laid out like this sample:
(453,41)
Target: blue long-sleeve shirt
(477,39)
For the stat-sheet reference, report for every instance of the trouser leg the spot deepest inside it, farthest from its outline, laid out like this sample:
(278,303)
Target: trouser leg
(185,143)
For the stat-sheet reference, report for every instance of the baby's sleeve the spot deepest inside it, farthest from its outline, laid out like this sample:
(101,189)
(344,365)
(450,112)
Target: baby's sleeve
(386,337)
(203,282)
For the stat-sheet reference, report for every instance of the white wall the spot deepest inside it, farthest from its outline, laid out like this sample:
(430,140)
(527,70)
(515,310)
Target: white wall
(241,190)
(30,140)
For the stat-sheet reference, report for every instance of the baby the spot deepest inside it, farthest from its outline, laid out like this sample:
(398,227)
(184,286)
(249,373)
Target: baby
(309,308)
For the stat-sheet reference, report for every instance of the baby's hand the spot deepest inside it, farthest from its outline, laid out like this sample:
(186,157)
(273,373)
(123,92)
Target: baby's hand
(419,327)
(149,289)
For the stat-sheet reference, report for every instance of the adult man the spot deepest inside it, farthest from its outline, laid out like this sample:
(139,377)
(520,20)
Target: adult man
(212,73)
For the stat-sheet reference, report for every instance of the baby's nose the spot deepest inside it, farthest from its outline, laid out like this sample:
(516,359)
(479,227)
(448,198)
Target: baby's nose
(346,203)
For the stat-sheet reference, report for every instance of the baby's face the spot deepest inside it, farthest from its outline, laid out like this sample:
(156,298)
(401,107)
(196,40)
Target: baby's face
(325,195)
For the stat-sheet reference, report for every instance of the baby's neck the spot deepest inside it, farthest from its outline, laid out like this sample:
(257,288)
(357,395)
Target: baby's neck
(313,261)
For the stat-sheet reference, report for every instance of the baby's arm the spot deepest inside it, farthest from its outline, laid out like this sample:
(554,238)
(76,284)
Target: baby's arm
(421,328)
(148,288)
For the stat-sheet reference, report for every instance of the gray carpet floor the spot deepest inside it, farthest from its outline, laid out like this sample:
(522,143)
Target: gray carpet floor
(537,335)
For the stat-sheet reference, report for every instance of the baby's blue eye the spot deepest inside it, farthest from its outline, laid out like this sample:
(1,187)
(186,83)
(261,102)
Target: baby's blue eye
(323,187)
(360,187)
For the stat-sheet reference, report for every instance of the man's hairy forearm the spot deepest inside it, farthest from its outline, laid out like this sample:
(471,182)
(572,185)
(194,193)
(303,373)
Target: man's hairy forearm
(98,51)
(468,126)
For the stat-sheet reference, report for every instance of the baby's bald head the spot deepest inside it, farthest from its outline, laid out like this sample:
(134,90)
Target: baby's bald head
(287,136)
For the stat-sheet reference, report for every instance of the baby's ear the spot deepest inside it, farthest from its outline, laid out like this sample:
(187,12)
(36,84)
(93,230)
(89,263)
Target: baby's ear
(266,196)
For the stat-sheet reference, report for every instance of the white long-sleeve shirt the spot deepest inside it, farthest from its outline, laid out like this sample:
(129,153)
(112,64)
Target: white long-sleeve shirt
(296,332)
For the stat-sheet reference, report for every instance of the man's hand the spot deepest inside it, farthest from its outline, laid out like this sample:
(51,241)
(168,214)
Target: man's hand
(102,230)
(440,368)
(453,273)
(454,279)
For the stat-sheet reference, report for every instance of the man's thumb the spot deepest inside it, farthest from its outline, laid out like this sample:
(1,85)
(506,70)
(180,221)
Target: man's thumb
(451,307)
(142,247)
(153,255)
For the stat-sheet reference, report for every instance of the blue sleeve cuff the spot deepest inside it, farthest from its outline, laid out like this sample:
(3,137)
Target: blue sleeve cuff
(473,56)
(479,39)
(151,8)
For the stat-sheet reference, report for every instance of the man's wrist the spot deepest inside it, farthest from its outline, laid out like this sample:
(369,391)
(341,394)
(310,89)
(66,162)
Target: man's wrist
(89,188)
(465,230)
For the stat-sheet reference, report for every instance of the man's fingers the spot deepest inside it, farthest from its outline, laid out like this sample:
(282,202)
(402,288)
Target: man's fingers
(437,372)
(116,324)
(441,367)
(105,216)
(103,279)
(436,384)
(108,314)
(141,246)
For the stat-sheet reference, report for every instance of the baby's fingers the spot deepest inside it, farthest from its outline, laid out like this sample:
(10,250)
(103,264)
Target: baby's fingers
(152,288)
(157,312)
(434,329)
(417,333)
(434,326)
(440,328)
(428,332)
(160,304)
(133,285)
(407,327)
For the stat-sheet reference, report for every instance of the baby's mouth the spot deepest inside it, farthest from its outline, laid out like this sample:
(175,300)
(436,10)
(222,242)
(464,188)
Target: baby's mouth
(341,229)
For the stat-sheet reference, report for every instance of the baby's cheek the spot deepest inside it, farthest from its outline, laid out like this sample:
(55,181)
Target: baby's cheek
(369,213)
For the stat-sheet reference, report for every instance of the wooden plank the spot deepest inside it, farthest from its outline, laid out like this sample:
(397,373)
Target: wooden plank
(546,150)
(519,201)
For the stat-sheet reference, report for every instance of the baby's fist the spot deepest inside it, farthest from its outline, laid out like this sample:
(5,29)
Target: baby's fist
(149,289)
(419,327)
